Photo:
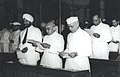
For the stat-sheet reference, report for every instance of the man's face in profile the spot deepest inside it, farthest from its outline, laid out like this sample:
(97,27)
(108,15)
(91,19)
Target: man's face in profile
(96,20)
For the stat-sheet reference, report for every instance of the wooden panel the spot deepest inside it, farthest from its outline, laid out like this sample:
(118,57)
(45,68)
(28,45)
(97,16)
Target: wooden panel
(18,70)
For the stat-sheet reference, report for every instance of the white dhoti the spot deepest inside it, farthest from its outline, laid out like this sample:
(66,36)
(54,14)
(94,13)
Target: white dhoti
(30,57)
(77,64)
(113,47)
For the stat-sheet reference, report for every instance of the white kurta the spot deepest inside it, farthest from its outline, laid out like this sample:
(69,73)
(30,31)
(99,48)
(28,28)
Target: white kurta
(51,56)
(15,37)
(100,45)
(89,31)
(5,40)
(30,57)
(115,32)
(79,42)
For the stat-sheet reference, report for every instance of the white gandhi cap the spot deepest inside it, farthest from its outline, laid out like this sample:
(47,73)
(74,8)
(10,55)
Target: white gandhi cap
(15,23)
(71,20)
(28,17)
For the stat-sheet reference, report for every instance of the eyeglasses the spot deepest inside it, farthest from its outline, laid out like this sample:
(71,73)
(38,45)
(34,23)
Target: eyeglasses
(95,20)
(72,25)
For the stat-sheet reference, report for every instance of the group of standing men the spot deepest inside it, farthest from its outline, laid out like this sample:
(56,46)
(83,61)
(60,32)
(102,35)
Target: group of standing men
(105,39)
(81,45)
(9,38)
(52,46)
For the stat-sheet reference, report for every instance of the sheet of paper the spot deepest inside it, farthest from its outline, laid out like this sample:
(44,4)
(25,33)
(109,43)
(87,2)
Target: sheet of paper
(33,41)
(37,42)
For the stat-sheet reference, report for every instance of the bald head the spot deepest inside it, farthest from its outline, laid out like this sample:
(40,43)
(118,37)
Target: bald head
(96,20)
(50,28)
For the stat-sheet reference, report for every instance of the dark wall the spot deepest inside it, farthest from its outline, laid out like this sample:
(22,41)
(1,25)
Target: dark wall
(7,12)
(44,10)
(112,9)
(94,6)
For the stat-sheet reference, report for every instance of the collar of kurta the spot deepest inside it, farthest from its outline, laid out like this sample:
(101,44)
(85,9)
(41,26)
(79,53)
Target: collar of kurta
(17,30)
(53,34)
(116,26)
(100,24)
(79,29)
(30,26)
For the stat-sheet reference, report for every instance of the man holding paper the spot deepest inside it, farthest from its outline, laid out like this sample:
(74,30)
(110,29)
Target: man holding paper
(53,43)
(100,38)
(78,47)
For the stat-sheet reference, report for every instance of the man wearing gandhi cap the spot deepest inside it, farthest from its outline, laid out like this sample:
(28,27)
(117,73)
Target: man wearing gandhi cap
(14,39)
(27,54)
(78,47)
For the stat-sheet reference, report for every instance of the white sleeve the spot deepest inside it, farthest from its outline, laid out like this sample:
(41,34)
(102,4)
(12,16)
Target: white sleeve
(38,35)
(85,48)
(58,46)
(82,46)
(105,35)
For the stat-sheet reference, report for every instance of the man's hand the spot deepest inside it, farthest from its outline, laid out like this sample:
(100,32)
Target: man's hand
(73,54)
(11,41)
(62,53)
(24,50)
(17,49)
(115,42)
(96,35)
(33,44)
(45,45)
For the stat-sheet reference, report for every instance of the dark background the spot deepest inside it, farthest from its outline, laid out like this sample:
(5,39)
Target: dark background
(46,10)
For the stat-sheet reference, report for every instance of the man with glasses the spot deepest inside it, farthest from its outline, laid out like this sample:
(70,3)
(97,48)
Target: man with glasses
(100,37)
(53,44)
(78,47)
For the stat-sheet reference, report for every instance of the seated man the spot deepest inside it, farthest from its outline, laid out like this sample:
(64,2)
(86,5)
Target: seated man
(78,47)
(53,44)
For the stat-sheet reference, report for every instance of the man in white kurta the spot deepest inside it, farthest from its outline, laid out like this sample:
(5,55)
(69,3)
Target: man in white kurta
(27,54)
(115,32)
(100,38)
(5,40)
(14,39)
(78,47)
(55,40)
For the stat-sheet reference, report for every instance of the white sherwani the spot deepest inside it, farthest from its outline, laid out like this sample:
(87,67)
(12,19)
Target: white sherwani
(51,56)
(79,42)
(115,32)
(100,45)
(30,57)
(15,37)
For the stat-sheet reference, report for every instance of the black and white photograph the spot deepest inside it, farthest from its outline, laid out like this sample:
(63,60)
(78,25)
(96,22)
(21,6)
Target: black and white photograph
(59,38)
